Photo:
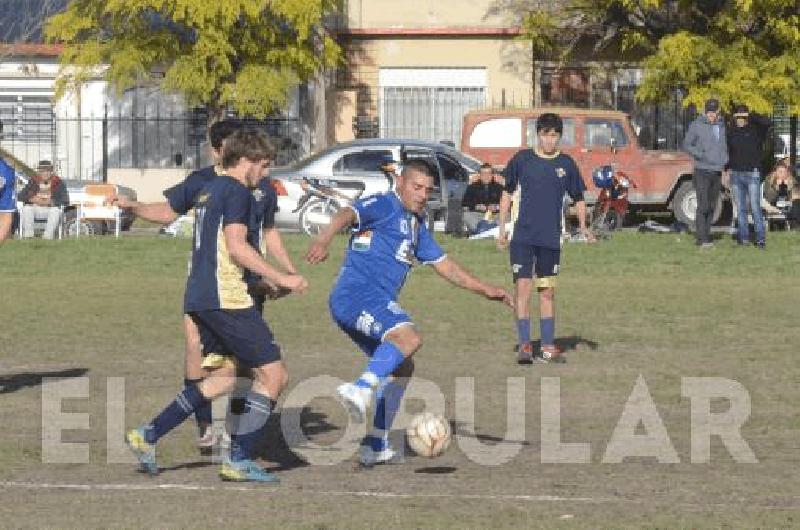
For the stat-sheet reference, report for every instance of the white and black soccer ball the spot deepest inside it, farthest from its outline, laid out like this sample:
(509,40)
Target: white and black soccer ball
(428,434)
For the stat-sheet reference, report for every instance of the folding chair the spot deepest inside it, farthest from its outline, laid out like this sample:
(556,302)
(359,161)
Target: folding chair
(93,207)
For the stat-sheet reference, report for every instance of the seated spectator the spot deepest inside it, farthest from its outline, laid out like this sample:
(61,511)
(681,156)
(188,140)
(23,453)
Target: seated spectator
(781,185)
(43,198)
(482,201)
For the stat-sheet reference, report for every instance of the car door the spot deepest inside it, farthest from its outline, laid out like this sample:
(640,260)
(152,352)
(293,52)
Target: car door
(605,142)
(455,175)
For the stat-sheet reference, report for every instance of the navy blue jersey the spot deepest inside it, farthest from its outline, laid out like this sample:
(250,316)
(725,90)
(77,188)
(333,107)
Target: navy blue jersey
(262,217)
(215,281)
(538,184)
(262,213)
(386,241)
(182,195)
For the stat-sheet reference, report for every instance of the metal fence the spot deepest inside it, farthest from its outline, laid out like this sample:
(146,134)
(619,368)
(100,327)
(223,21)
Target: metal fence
(86,148)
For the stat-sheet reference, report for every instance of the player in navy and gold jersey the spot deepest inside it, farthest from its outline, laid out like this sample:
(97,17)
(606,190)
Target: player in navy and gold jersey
(538,179)
(390,235)
(218,301)
(262,234)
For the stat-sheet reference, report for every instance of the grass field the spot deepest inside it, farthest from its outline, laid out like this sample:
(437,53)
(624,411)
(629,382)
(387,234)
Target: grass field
(640,304)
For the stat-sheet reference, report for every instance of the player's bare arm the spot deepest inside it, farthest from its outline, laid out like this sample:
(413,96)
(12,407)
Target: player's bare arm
(246,256)
(505,206)
(276,249)
(157,212)
(457,275)
(581,207)
(318,249)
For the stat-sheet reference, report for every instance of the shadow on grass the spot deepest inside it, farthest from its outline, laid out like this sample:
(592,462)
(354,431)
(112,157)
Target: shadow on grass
(13,382)
(465,431)
(570,343)
(274,447)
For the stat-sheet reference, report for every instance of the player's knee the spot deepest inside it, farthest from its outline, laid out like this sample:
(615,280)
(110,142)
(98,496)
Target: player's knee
(413,342)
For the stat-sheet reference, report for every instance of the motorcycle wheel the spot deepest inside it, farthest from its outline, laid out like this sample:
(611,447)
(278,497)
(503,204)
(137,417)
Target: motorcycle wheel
(315,216)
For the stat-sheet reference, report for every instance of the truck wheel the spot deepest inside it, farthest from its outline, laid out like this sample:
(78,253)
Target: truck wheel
(684,205)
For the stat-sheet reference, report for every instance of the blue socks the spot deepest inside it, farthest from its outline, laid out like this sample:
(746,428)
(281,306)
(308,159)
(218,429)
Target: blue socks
(384,361)
(524,330)
(387,404)
(547,326)
(202,414)
(185,403)
(247,430)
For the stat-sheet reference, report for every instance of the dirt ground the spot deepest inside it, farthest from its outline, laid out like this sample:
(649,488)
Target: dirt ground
(636,308)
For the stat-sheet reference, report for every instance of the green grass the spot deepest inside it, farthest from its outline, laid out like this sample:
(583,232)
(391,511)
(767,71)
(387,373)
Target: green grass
(640,304)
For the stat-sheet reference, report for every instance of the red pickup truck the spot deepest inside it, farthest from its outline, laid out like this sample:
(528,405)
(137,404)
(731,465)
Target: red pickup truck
(593,138)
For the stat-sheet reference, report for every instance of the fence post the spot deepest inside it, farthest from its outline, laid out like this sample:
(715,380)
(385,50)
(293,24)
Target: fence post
(105,144)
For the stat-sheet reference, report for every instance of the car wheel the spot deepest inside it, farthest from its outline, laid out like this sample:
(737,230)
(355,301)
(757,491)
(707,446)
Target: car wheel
(684,205)
(316,216)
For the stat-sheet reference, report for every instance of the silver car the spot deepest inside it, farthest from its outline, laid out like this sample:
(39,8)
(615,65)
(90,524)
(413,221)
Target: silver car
(352,169)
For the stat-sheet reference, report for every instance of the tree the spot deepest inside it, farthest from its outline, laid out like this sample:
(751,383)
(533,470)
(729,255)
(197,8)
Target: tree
(21,22)
(240,54)
(741,51)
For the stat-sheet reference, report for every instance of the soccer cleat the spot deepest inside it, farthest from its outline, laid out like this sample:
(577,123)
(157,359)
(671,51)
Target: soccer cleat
(205,440)
(245,471)
(762,245)
(551,354)
(374,451)
(525,354)
(356,399)
(144,451)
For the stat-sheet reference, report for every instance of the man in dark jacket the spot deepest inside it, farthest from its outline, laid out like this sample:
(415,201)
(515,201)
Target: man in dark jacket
(482,199)
(705,141)
(43,197)
(745,143)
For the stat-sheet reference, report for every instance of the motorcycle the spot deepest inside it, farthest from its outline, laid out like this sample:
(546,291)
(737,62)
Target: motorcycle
(612,203)
(318,205)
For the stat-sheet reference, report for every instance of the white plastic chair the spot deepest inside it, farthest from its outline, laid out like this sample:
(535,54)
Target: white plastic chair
(93,207)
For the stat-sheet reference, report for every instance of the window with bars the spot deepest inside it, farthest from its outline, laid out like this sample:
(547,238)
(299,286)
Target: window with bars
(27,119)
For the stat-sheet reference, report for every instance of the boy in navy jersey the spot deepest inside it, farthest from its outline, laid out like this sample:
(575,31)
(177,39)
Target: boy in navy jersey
(390,235)
(219,303)
(537,179)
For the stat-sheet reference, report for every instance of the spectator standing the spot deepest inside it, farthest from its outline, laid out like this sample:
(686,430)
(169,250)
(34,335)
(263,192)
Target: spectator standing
(745,143)
(705,141)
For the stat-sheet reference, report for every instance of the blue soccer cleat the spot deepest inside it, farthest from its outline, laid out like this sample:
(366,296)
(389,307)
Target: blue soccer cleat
(245,471)
(144,451)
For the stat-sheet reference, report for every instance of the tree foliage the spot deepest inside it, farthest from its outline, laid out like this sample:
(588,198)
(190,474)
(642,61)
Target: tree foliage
(741,51)
(243,54)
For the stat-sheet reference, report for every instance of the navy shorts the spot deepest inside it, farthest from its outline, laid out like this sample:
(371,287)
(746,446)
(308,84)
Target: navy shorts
(366,315)
(240,333)
(527,259)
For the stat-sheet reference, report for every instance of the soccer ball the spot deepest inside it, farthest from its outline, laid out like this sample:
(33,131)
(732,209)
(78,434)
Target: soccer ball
(428,434)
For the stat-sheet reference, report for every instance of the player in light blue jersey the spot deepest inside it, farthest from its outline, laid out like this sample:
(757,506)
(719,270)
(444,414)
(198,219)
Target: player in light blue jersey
(389,236)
